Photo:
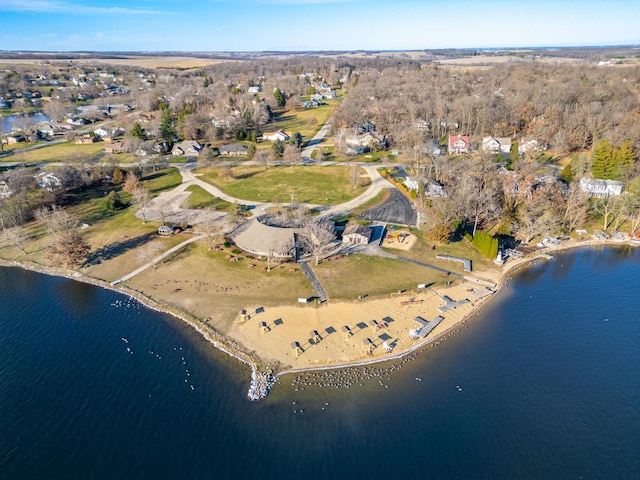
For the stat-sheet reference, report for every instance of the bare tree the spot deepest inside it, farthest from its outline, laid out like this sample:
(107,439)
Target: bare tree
(318,237)
(576,206)
(140,196)
(606,207)
(213,233)
(291,155)
(17,237)
(148,253)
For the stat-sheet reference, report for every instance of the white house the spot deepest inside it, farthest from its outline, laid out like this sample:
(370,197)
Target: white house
(48,180)
(357,235)
(529,145)
(496,144)
(601,188)
(411,183)
(257,89)
(432,188)
(272,137)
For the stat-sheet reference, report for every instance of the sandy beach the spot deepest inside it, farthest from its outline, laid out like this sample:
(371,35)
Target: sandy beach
(321,336)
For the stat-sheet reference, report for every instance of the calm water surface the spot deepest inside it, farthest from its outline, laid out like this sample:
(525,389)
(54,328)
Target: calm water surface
(92,385)
(10,123)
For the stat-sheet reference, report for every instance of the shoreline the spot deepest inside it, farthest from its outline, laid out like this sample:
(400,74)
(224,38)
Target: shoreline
(263,378)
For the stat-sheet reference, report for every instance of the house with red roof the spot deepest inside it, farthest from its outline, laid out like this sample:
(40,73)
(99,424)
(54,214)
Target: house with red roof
(458,144)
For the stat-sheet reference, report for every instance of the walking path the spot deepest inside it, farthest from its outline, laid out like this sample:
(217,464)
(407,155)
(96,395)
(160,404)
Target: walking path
(317,286)
(157,259)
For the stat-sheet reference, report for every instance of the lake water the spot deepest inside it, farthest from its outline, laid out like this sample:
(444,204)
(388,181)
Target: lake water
(544,383)
(10,123)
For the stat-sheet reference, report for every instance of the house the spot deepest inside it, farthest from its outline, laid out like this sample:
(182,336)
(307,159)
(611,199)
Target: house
(272,137)
(78,122)
(4,104)
(458,144)
(85,139)
(108,134)
(48,180)
(186,147)
(411,183)
(432,188)
(359,144)
(5,191)
(14,138)
(310,104)
(496,145)
(356,235)
(529,145)
(257,89)
(115,147)
(233,150)
(165,230)
(601,188)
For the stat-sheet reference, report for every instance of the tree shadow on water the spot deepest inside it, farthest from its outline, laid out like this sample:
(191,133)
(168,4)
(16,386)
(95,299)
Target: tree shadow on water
(113,250)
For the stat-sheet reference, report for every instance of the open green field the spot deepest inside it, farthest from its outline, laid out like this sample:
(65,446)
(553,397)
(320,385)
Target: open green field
(307,121)
(59,152)
(307,184)
(200,198)
(353,275)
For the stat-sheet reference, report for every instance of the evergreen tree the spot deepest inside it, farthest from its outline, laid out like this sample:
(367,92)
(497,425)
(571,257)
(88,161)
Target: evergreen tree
(280,98)
(113,201)
(167,131)
(624,159)
(513,155)
(278,147)
(604,164)
(251,150)
(138,132)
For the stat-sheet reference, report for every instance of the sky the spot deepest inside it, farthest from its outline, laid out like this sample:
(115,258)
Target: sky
(313,25)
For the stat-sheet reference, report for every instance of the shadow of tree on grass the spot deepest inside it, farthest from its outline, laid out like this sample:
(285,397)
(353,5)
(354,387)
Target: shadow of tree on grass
(113,250)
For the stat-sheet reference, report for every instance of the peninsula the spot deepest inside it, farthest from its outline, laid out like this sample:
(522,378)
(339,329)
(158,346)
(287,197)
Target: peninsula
(300,216)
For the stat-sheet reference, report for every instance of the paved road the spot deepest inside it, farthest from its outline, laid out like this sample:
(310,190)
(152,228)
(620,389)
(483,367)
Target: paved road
(397,209)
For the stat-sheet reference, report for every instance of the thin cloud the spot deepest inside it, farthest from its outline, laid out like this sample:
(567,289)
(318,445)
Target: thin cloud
(56,6)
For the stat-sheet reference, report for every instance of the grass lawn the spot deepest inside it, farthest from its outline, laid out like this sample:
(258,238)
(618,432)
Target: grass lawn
(354,275)
(208,285)
(421,251)
(60,152)
(200,198)
(308,184)
(163,179)
(302,120)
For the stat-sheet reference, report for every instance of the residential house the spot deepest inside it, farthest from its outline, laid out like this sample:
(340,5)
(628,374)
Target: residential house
(529,145)
(272,137)
(14,138)
(356,235)
(78,122)
(359,144)
(4,104)
(115,147)
(411,183)
(233,150)
(601,188)
(432,188)
(496,145)
(255,89)
(85,139)
(186,147)
(108,134)
(5,191)
(458,144)
(48,180)
(310,104)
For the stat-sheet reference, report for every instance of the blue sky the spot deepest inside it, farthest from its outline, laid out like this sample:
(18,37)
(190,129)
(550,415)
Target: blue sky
(257,25)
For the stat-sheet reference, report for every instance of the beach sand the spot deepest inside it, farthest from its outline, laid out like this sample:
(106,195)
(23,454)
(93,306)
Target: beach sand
(288,324)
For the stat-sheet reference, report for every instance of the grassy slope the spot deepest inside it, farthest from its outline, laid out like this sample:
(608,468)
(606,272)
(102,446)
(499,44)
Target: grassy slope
(315,185)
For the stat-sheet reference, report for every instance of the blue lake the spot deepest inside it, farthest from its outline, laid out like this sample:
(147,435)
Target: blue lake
(93,385)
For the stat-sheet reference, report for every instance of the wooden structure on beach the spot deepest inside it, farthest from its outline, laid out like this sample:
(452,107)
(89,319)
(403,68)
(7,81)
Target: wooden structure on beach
(315,336)
(297,349)
(346,332)
(426,326)
(369,346)
(263,327)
